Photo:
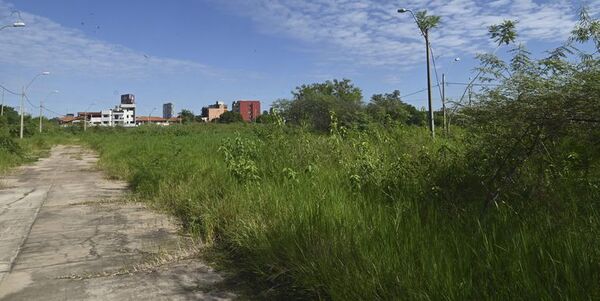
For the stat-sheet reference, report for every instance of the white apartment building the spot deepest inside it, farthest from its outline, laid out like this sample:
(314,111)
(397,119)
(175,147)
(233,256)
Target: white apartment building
(121,115)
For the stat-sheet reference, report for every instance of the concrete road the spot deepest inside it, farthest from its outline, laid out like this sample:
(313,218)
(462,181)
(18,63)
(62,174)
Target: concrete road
(65,234)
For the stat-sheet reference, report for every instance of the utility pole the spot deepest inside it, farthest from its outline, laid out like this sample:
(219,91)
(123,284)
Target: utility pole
(84,121)
(2,106)
(40,116)
(445,125)
(470,92)
(424,23)
(22,113)
(23,98)
(429,100)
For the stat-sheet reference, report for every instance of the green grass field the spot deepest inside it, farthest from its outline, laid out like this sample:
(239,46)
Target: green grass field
(361,215)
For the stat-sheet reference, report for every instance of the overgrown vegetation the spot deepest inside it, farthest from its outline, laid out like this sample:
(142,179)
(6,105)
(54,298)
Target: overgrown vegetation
(13,151)
(372,214)
(333,199)
(354,202)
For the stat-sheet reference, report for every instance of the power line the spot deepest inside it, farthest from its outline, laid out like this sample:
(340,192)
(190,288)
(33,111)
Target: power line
(44,107)
(9,91)
(30,103)
(435,71)
(56,113)
(471,84)
(417,92)
(413,93)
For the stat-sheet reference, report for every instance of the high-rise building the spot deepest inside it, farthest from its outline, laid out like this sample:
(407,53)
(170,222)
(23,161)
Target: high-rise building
(168,110)
(249,109)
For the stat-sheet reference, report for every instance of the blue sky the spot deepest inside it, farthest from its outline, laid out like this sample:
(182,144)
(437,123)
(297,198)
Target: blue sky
(195,52)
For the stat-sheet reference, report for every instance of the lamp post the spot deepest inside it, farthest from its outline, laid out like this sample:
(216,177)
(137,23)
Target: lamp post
(23,90)
(85,116)
(18,23)
(41,106)
(149,116)
(424,26)
(444,99)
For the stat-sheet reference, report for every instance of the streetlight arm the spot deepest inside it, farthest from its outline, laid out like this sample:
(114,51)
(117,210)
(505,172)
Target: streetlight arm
(34,78)
(404,10)
(423,33)
(53,92)
(31,82)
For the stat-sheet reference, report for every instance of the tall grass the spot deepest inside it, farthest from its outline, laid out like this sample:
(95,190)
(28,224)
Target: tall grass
(14,152)
(381,214)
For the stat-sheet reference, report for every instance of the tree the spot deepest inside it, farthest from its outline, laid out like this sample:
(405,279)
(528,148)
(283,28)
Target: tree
(230,117)
(281,105)
(503,34)
(9,122)
(313,104)
(538,129)
(187,116)
(426,22)
(265,117)
(385,108)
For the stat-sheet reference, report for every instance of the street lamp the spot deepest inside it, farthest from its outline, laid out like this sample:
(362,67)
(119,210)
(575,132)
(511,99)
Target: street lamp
(149,116)
(85,116)
(41,106)
(23,90)
(425,32)
(445,125)
(15,24)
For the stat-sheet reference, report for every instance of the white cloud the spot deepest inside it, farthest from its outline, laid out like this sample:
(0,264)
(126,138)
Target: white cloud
(46,44)
(372,32)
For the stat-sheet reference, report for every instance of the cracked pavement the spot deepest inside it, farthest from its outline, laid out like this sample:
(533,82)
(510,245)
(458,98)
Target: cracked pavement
(65,235)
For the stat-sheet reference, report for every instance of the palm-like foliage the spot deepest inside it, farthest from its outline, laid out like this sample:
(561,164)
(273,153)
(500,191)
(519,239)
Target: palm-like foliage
(426,22)
(503,33)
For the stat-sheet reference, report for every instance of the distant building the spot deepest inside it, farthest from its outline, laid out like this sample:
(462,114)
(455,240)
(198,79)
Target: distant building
(68,119)
(168,110)
(157,120)
(213,112)
(249,109)
(92,118)
(120,115)
(127,99)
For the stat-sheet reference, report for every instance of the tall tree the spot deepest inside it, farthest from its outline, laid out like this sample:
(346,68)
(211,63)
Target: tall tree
(187,116)
(230,117)
(426,22)
(314,104)
(386,108)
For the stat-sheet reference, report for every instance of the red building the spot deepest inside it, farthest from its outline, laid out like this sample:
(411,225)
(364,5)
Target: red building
(249,109)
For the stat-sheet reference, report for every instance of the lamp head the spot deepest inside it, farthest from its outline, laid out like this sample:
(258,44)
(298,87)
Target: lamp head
(19,24)
(46,73)
(402,10)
